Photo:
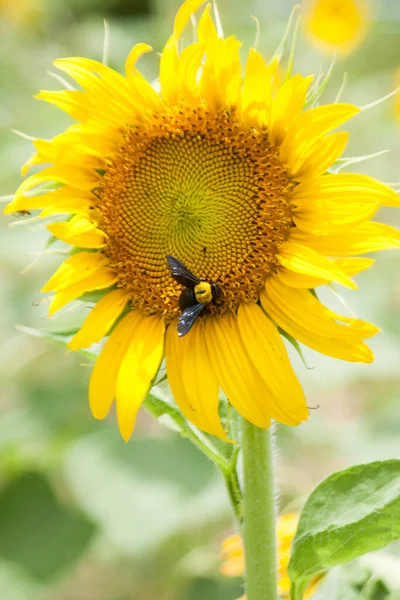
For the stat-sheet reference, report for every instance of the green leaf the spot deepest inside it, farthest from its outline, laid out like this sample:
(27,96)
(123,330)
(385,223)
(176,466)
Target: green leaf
(352,512)
(36,531)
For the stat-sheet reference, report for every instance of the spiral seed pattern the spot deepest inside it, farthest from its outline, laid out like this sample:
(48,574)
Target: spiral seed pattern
(201,187)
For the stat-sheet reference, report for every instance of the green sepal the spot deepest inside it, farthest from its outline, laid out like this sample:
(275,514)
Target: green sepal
(319,86)
(289,68)
(49,242)
(282,44)
(61,337)
(95,296)
(295,345)
(344,162)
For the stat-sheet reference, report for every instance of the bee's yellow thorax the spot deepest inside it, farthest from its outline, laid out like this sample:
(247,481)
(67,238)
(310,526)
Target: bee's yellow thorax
(203,292)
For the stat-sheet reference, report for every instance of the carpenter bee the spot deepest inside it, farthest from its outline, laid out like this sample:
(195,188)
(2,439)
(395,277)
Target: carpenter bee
(194,298)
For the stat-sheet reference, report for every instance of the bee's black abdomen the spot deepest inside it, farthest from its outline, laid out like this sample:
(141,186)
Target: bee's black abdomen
(216,291)
(187,298)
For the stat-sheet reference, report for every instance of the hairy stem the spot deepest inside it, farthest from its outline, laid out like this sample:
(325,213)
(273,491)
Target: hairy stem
(259,530)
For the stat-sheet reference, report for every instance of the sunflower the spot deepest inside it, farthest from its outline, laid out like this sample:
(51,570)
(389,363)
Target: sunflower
(21,12)
(229,175)
(233,564)
(342,24)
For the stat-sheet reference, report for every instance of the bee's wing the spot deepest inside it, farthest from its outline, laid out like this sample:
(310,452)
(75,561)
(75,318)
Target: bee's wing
(180,273)
(188,317)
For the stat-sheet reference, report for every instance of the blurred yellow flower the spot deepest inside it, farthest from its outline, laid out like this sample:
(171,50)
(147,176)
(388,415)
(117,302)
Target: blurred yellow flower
(337,23)
(232,554)
(20,11)
(225,171)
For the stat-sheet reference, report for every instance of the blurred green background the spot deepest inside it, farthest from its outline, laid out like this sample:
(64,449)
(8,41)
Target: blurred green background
(84,516)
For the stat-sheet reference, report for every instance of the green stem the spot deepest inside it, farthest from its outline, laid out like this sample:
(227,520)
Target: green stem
(259,532)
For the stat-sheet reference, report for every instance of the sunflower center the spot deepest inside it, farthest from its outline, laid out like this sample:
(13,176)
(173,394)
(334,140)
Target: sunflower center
(204,189)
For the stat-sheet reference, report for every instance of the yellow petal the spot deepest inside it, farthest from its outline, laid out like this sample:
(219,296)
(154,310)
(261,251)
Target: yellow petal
(232,546)
(137,51)
(80,231)
(350,266)
(74,269)
(146,94)
(103,381)
(169,57)
(189,65)
(94,104)
(168,68)
(81,179)
(192,380)
(286,527)
(235,371)
(73,102)
(336,203)
(317,158)
(221,79)
(368,237)
(356,186)
(302,316)
(311,125)
(264,345)
(107,93)
(287,105)
(183,16)
(101,319)
(64,197)
(99,280)
(66,148)
(298,280)
(228,71)
(206,28)
(72,206)
(306,261)
(139,366)
(233,567)
(256,94)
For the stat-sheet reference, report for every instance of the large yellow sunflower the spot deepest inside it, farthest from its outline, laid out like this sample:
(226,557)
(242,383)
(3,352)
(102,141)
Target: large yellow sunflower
(229,175)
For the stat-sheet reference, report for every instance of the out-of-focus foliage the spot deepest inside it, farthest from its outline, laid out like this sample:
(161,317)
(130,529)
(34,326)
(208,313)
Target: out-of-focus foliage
(85,516)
